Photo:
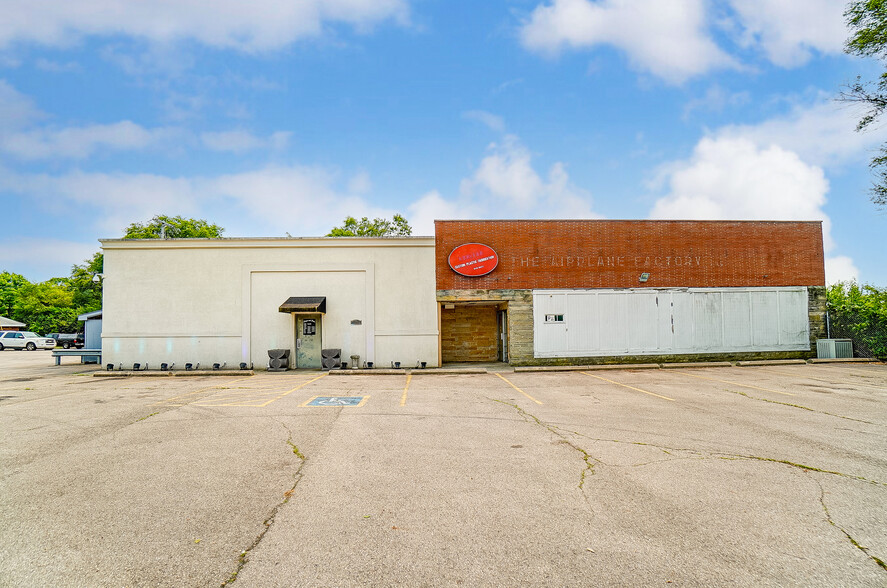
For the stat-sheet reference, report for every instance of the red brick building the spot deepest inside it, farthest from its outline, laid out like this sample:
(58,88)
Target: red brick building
(594,290)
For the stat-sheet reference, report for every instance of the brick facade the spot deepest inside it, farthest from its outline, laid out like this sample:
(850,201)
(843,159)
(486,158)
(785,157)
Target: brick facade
(613,254)
(469,333)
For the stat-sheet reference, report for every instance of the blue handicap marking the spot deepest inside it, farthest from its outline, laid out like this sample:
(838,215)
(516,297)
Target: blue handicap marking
(336,401)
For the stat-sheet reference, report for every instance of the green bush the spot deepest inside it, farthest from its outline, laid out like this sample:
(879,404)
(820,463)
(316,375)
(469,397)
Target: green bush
(859,313)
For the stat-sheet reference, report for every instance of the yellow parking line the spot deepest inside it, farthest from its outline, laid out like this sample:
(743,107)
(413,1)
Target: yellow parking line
(630,387)
(296,388)
(201,390)
(248,397)
(403,399)
(518,389)
(738,384)
(218,400)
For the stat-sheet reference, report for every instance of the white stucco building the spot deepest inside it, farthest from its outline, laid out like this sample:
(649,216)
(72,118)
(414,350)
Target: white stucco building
(231,300)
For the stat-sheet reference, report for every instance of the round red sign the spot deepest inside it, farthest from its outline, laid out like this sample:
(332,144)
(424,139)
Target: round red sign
(473,260)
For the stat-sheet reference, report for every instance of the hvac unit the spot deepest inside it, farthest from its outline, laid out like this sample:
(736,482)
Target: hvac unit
(278,360)
(331,358)
(834,348)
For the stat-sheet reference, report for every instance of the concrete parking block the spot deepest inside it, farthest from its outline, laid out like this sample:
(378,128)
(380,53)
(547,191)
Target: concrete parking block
(844,360)
(772,362)
(700,364)
(581,368)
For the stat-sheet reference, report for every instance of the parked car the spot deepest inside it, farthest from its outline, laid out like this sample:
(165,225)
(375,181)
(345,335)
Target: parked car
(70,340)
(24,340)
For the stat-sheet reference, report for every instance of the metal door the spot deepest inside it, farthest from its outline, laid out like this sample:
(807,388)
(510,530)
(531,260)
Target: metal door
(503,335)
(308,341)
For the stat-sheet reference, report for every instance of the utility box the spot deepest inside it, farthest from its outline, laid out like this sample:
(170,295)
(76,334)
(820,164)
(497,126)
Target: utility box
(834,348)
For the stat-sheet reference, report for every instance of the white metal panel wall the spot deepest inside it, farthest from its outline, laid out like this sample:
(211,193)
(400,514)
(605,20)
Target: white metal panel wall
(672,321)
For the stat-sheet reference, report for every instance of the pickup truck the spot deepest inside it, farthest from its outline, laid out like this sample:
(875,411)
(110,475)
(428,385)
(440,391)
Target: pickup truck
(68,341)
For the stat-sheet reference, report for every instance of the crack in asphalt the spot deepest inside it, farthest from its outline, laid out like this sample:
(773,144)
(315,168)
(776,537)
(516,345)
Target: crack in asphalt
(854,542)
(802,407)
(243,559)
(586,457)
(728,455)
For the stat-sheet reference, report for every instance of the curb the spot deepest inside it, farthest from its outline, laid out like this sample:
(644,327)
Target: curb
(367,372)
(181,374)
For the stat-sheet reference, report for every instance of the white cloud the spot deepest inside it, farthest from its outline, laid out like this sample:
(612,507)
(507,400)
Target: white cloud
(667,38)
(822,133)
(840,269)
(505,180)
(81,142)
(259,25)
(505,185)
(16,109)
(42,254)
(57,67)
(507,175)
(23,139)
(432,206)
(360,183)
(111,200)
(304,200)
(716,99)
(735,179)
(41,258)
(492,121)
(771,170)
(9,61)
(240,141)
(787,31)
(168,60)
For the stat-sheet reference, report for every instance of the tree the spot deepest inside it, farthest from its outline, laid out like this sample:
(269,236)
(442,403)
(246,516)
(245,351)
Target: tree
(46,307)
(86,289)
(378,227)
(859,313)
(9,285)
(173,227)
(867,21)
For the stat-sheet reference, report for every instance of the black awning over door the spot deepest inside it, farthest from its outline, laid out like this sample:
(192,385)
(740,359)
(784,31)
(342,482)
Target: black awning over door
(304,304)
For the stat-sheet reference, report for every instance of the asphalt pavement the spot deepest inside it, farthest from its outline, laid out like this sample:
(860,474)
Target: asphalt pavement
(743,476)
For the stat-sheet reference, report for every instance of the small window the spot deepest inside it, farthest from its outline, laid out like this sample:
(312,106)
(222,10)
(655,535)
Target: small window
(554,318)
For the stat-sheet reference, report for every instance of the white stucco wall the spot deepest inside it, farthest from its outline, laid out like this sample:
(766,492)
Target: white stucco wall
(216,300)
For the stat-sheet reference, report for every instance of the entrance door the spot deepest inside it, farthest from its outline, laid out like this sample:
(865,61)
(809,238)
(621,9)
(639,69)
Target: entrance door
(308,343)
(503,335)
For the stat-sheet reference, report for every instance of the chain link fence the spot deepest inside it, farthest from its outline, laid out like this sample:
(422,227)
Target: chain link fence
(869,337)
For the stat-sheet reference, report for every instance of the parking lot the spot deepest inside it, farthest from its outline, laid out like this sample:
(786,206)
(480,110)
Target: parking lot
(751,476)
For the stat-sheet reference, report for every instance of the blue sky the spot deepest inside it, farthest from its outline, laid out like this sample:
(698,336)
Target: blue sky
(271,117)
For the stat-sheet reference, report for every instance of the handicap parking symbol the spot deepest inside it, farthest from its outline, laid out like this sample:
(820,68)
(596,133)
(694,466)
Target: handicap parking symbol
(336,401)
